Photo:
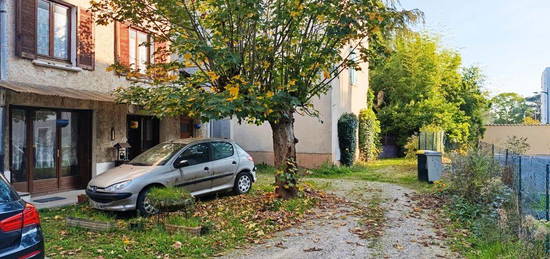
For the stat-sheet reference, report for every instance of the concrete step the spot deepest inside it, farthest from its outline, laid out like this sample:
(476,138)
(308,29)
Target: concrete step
(25,196)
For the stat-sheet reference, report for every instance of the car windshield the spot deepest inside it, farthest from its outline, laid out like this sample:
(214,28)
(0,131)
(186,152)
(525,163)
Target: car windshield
(6,193)
(157,155)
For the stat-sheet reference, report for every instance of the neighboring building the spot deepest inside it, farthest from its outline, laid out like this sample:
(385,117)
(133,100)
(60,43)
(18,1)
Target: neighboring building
(62,122)
(318,137)
(545,96)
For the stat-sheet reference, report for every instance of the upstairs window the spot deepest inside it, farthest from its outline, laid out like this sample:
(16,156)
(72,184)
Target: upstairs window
(141,49)
(53,30)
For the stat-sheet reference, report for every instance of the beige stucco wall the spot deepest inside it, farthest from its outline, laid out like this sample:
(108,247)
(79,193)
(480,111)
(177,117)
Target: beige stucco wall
(537,136)
(23,70)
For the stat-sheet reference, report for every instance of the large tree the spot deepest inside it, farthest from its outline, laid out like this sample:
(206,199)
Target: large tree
(419,83)
(510,108)
(257,60)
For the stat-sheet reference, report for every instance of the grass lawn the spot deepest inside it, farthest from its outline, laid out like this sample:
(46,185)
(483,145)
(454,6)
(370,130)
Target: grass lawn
(398,170)
(236,221)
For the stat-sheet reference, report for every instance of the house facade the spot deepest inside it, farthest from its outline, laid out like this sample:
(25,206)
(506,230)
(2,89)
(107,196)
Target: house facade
(61,122)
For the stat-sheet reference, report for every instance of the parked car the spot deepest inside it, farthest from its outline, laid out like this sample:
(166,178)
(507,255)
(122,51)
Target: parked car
(199,165)
(20,232)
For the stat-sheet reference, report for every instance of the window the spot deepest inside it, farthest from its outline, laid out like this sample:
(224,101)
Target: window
(53,30)
(196,154)
(220,129)
(221,150)
(140,50)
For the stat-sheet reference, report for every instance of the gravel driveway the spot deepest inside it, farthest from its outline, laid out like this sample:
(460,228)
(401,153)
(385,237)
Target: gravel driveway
(328,233)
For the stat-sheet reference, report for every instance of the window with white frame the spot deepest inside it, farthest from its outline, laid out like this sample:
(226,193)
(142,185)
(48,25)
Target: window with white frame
(141,50)
(53,30)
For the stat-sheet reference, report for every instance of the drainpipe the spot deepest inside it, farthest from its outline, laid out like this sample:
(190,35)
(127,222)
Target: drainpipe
(3,76)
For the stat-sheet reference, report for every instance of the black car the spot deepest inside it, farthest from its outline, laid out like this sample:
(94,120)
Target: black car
(20,232)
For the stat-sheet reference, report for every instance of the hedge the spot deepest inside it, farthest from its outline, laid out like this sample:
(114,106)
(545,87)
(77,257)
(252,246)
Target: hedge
(369,135)
(347,130)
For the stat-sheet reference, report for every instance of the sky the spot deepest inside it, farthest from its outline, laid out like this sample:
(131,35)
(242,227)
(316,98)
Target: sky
(508,39)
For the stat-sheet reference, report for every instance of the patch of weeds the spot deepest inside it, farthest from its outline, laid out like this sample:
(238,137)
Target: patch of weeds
(180,220)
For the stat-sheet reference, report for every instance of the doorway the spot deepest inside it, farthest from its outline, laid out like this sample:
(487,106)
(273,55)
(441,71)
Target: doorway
(50,149)
(143,134)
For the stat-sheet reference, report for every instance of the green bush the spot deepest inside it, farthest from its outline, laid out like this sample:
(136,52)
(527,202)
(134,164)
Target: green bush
(411,147)
(369,134)
(347,130)
(172,199)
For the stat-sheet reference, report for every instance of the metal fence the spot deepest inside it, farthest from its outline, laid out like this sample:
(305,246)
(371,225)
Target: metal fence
(529,177)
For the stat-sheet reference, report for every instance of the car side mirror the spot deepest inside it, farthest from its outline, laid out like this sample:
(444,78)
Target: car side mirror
(181,163)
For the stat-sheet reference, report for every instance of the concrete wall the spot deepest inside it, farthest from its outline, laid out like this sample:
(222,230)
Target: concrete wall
(537,136)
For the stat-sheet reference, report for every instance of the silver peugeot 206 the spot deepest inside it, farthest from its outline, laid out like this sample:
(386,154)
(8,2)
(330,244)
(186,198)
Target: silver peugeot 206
(199,165)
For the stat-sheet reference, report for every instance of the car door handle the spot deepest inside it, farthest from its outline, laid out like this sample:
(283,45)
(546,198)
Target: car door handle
(234,162)
(206,168)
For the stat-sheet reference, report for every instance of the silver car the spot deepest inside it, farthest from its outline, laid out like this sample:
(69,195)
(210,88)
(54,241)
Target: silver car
(199,165)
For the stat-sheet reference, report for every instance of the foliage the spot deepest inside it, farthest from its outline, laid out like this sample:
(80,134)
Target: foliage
(509,108)
(420,83)
(257,61)
(517,145)
(176,219)
(485,211)
(474,177)
(411,147)
(347,132)
(530,121)
(369,131)
(171,199)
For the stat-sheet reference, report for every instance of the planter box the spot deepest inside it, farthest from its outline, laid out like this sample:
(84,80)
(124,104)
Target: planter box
(90,224)
(172,229)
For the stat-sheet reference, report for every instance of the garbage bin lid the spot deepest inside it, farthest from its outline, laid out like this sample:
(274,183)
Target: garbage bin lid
(432,153)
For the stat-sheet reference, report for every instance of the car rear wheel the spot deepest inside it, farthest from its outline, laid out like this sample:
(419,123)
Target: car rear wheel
(243,183)
(144,207)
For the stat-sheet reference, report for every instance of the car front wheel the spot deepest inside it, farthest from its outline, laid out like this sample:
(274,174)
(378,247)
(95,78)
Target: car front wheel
(243,183)
(144,207)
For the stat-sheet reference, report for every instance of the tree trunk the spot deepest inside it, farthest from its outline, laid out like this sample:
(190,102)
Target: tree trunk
(284,148)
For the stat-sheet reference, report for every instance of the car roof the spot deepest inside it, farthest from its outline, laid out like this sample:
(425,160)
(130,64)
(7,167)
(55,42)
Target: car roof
(197,140)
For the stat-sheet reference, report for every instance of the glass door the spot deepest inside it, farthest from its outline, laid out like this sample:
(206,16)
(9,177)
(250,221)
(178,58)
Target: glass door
(70,166)
(50,150)
(18,147)
(45,151)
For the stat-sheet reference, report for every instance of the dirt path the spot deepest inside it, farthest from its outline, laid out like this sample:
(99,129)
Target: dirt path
(332,232)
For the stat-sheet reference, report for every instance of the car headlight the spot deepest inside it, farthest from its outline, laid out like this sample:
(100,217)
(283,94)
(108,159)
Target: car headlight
(118,186)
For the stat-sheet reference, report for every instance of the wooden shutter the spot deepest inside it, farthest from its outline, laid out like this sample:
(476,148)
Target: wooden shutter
(122,43)
(86,41)
(25,38)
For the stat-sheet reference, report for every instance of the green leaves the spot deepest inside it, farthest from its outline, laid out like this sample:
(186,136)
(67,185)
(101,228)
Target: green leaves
(423,84)
(254,59)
